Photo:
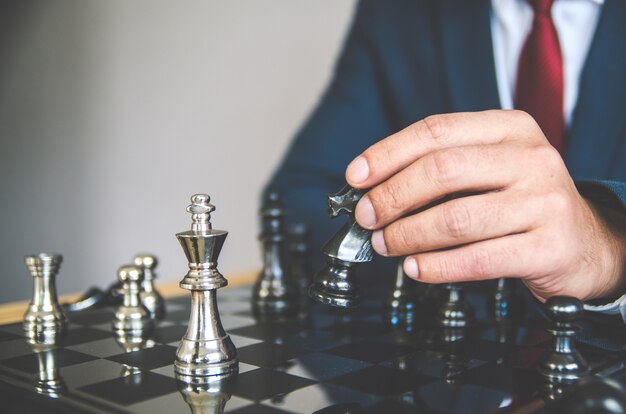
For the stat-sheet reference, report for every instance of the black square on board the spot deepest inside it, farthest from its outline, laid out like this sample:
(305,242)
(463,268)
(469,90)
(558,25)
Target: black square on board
(371,351)
(7,336)
(83,335)
(258,409)
(382,380)
(270,331)
(358,328)
(169,334)
(267,354)
(62,357)
(92,317)
(149,358)
(132,388)
(261,384)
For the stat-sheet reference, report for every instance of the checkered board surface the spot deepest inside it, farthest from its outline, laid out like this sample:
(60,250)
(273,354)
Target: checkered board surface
(328,361)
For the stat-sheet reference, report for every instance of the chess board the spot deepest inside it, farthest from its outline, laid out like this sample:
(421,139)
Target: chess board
(324,360)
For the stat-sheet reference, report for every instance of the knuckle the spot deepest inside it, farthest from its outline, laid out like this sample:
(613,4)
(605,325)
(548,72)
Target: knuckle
(547,155)
(437,126)
(482,263)
(402,239)
(393,197)
(446,270)
(523,116)
(558,202)
(445,166)
(457,219)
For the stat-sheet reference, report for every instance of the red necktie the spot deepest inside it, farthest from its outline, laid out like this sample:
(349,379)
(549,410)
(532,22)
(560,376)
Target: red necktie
(539,89)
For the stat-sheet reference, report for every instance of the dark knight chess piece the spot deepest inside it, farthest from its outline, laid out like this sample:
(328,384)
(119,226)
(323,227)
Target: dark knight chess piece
(335,284)
(563,362)
(44,317)
(205,350)
(454,311)
(150,297)
(275,291)
(131,317)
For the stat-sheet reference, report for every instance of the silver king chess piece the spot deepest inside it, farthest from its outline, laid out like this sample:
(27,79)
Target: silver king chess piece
(149,295)
(205,350)
(563,363)
(275,291)
(335,284)
(44,317)
(131,318)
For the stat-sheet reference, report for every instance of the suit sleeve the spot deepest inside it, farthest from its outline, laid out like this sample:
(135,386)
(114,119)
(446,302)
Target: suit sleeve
(349,117)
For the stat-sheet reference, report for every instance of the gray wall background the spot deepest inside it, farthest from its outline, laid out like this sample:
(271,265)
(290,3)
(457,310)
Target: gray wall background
(113,113)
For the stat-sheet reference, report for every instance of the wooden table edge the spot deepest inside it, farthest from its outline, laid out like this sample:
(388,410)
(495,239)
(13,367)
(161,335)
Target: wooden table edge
(14,311)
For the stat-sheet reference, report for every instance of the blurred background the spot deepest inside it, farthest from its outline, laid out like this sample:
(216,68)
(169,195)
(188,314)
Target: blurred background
(113,113)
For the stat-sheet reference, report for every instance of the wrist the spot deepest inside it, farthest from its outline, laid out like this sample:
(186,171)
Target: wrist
(611,232)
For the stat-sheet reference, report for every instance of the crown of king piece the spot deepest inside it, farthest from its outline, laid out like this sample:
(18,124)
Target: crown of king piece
(200,209)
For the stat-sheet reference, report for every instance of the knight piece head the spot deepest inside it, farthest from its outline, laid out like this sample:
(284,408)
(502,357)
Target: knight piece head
(344,201)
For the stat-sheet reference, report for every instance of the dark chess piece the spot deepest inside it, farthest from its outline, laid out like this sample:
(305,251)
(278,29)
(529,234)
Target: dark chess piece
(563,362)
(131,317)
(335,284)
(275,291)
(208,398)
(505,304)
(48,381)
(44,317)
(605,396)
(403,301)
(454,311)
(299,239)
(150,297)
(205,350)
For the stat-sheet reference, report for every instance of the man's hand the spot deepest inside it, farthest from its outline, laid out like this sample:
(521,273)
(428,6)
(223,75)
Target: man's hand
(511,207)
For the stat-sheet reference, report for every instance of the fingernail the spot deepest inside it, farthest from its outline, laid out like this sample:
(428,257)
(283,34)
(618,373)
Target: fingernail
(364,213)
(410,268)
(358,170)
(378,242)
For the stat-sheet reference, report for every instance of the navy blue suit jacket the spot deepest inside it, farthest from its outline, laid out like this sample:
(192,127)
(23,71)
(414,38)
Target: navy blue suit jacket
(406,59)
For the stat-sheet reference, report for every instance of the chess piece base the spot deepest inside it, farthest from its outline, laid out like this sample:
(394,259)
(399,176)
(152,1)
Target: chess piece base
(335,284)
(198,359)
(563,367)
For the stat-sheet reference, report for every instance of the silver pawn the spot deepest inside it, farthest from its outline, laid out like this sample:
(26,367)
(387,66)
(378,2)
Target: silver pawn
(44,317)
(131,318)
(205,350)
(149,295)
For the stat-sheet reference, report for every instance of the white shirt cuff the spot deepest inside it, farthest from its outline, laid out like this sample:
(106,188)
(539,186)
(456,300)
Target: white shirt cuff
(613,308)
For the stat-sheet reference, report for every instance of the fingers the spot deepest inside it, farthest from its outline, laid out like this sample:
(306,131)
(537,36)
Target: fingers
(396,152)
(444,172)
(510,256)
(459,221)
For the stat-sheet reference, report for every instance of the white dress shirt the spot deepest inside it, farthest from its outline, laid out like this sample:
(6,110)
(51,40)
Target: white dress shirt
(575,22)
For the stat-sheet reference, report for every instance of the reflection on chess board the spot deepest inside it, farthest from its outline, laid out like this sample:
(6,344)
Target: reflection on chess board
(360,360)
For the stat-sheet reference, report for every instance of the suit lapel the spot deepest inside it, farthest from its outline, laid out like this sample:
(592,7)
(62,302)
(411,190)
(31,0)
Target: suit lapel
(600,113)
(468,65)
